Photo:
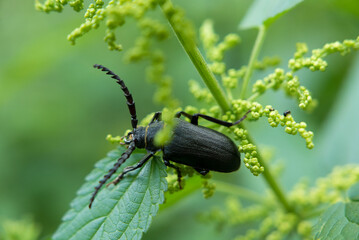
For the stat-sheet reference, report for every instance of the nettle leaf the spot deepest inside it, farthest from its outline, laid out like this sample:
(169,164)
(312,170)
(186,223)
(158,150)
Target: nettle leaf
(264,12)
(353,192)
(340,221)
(119,212)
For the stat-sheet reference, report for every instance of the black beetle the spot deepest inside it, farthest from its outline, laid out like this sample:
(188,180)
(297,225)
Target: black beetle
(202,148)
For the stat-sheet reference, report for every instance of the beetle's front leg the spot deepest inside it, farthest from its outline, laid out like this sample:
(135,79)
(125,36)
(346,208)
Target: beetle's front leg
(131,168)
(187,115)
(179,174)
(194,118)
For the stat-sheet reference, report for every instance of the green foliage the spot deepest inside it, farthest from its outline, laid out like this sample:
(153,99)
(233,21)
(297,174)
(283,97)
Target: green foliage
(340,221)
(353,192)
(276,223)
(123,211)
(24,229)
(330,189)
(263,12)
(278,217)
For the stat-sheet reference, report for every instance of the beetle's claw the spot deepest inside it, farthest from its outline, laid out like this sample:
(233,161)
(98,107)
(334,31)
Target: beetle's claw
(180,184)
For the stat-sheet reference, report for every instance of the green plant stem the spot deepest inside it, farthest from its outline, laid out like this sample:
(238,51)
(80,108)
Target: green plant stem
(199,62)
(197,59)
(271,181)
(254,55)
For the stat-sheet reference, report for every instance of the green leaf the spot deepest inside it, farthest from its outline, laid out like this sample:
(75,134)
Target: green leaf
(264,12)
(353,192)
(340,221)
(123,211)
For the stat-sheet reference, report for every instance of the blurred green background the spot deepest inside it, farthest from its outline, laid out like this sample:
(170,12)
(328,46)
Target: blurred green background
(55,109)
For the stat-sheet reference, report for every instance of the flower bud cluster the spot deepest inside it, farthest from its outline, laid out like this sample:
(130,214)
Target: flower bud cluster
(316,62)
(275,223)
(250,152)
(266,62)
(208,188)
(291,127)
(49,6)
(234,213)
(230,80)
(290,83)
(201,94)
(328,189)
(273,80)
(93,16)
(312,63)
(302,49)
(115,13)
(215,52)
(117,139)
(58,5)
(241,106)
(274,119)
(275,226)
(92,9)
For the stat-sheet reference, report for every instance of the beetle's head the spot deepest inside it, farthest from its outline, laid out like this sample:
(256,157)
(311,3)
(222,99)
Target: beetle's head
(128,139)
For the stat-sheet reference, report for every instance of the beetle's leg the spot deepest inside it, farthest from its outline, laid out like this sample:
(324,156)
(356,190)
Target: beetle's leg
(156,117)
(119,162)
(202,171)
(131,168)
(179,174)
(194,118)
(187,115)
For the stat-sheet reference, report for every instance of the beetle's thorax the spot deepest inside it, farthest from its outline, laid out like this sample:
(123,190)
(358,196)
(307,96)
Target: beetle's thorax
(144,136)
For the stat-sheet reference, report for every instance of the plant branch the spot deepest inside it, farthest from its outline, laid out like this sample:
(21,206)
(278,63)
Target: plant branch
(188,43)
(278,192)
(253,58)
(196,58)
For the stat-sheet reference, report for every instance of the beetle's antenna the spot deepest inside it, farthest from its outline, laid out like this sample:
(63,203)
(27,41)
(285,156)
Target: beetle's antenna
(130,102)
(118,164)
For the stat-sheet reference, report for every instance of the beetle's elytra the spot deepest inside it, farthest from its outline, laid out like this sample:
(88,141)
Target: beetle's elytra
(202,148)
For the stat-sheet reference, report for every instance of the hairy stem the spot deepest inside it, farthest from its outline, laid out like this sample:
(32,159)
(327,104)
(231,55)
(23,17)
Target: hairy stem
(254,55)
(197,59)
(271,181)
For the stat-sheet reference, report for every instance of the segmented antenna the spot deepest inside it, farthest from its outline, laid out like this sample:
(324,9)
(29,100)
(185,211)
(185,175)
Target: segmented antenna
(118,164)
(130,102)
